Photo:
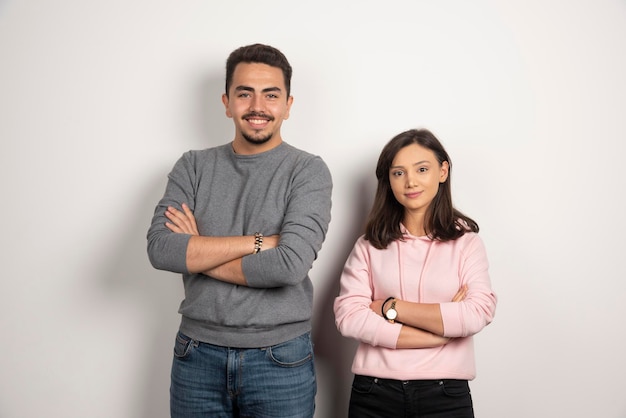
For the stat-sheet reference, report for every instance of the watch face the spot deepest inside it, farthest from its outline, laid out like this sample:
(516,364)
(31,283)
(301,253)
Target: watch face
(391,314)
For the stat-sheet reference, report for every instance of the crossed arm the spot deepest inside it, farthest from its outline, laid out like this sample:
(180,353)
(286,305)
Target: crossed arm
(218,257)
(422,324)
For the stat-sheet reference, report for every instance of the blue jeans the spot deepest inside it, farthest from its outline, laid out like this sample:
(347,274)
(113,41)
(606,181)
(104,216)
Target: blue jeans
(377,398)
(213,381)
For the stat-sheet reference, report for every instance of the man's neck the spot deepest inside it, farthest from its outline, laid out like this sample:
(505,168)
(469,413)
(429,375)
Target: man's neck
(243,147)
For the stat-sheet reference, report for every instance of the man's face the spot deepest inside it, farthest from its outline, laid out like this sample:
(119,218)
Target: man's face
(258,103)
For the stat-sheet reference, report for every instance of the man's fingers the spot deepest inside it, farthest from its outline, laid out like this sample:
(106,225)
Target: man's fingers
(179,219)
(190,218)
(182,222)
(173,227)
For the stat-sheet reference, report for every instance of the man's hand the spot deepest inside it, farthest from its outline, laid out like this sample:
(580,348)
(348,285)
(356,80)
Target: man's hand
(181,222)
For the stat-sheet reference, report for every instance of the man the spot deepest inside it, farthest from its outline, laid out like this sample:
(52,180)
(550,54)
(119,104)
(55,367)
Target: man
(243,223)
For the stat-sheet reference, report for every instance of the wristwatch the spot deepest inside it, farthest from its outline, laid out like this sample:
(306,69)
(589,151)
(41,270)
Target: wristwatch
(391,313)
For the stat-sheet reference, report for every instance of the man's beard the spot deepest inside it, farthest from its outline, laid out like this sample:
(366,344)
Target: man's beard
(256,140)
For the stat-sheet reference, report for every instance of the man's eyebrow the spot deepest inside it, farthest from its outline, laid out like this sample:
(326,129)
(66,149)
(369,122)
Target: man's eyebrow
(265,90)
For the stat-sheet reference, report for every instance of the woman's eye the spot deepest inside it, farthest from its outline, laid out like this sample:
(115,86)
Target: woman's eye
(396,173)
(422,169)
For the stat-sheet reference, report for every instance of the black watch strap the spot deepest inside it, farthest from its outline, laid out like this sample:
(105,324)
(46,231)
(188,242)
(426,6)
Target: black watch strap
(382,308)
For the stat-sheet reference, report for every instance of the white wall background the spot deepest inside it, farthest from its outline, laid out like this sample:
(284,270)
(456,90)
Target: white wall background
(99,98)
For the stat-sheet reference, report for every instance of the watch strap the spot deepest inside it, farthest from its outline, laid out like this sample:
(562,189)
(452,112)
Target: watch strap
(393,305)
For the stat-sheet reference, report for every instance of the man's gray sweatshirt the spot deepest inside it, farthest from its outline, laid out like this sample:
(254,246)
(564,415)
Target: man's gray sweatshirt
(283,191)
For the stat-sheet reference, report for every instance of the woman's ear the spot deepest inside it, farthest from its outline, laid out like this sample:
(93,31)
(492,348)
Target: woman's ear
(443,174)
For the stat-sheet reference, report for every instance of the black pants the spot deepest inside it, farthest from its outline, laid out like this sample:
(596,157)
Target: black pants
(377,398)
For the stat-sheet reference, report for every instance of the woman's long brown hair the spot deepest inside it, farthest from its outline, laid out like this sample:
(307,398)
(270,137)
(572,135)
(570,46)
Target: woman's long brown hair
(442,221)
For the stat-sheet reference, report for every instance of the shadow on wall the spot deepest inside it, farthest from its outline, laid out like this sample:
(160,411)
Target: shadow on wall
(333,352)
(156,294)
(212,125)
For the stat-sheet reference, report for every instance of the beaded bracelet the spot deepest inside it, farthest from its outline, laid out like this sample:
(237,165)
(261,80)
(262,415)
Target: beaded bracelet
(258,241)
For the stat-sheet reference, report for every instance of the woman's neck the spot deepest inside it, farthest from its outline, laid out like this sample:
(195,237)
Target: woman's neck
(414,223)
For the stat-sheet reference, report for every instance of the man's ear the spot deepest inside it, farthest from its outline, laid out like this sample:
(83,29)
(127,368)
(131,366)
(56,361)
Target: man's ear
(225,101)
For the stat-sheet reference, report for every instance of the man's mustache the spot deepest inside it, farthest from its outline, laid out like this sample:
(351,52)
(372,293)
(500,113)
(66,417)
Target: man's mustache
(253,115)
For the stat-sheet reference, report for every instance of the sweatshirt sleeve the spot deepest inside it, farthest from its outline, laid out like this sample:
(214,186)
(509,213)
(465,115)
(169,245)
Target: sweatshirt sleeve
(353,316)
(168,250)
(462,319)
(303,230)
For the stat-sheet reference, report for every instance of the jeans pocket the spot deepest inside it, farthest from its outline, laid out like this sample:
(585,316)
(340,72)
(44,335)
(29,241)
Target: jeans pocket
(182,346)
(363,384)
(292,353)
(455,388)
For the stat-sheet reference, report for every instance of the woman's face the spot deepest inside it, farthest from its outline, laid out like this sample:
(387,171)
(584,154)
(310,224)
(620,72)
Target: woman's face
(415,175)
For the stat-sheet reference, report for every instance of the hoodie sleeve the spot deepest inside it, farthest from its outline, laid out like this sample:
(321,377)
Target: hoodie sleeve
(353,316)
(462,319)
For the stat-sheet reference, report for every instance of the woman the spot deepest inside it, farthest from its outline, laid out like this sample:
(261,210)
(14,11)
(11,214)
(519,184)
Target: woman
(414,290)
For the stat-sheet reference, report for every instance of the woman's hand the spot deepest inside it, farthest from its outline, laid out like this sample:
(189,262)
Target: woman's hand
(460,295)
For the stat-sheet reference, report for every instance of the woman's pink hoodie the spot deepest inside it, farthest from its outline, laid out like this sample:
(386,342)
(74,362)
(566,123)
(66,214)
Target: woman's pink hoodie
(415,269)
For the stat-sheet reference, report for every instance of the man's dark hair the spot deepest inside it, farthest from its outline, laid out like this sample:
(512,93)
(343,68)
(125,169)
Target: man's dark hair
(262,54)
